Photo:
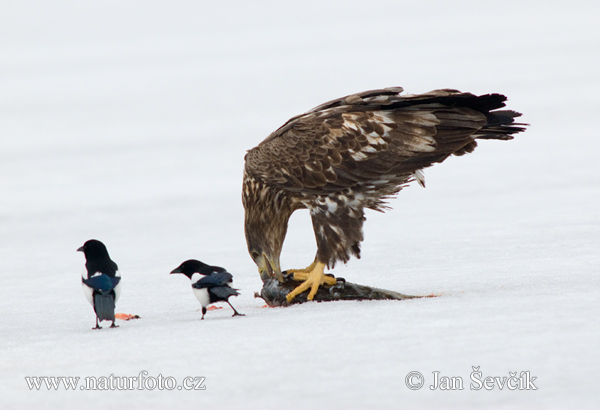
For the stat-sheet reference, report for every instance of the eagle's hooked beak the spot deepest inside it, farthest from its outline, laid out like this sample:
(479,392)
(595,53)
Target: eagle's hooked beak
(268,267)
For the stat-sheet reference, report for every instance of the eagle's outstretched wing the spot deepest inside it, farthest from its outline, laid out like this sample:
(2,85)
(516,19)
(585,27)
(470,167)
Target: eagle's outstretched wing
(377,140)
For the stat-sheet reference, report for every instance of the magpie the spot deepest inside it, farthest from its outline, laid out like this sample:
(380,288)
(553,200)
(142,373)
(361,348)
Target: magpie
(210,283)
(101,282)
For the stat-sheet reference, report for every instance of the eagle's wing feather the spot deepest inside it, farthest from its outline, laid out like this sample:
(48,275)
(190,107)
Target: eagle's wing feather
(353,153)
(377,137)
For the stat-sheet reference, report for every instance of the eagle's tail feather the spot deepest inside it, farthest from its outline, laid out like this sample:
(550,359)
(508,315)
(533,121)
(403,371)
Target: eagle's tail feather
(500,125)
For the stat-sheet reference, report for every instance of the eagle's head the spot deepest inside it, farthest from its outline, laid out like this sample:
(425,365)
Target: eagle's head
(265,240)
(267,212)
(268,265)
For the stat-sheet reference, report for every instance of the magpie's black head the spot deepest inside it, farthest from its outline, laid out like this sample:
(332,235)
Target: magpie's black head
(94,249)
(97,259)
(189,267)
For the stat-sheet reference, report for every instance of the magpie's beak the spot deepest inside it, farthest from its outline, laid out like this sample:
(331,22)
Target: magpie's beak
(176,270)
(80,249)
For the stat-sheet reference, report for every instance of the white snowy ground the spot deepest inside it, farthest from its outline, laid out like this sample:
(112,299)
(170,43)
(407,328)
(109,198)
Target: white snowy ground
(127,121)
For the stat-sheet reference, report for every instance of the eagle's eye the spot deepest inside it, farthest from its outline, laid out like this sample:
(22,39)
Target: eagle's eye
(254,254)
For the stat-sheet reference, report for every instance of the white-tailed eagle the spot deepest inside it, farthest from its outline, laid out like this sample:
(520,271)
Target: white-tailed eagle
(350,154)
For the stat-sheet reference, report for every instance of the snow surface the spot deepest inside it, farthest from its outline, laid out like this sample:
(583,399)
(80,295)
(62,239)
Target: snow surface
(127,121)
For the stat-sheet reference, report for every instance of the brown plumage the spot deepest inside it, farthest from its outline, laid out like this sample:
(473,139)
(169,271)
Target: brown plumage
(354,153)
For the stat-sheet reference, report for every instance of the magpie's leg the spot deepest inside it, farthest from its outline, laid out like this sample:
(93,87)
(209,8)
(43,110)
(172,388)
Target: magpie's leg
(97,324)
(113,324)
(203,313)
(235,312)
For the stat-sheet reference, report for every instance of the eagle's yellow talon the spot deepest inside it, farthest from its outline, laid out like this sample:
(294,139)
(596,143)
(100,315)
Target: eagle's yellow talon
(302,274)
(312,278)
(313,291)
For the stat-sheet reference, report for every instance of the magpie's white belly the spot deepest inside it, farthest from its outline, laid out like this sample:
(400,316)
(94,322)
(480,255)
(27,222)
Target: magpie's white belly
(87,291)
(117,291)
(202,296)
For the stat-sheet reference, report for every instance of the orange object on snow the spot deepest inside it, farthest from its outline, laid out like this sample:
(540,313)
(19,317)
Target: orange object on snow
(125,316)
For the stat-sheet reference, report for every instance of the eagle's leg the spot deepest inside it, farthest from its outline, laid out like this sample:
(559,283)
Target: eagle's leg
(298,272)
(312,279)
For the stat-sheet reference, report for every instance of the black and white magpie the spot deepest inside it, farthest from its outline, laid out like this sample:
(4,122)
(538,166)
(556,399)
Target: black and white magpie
(102,281)
(210,283)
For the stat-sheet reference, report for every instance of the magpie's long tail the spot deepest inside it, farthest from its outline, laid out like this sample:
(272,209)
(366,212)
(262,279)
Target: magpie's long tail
(104,305)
